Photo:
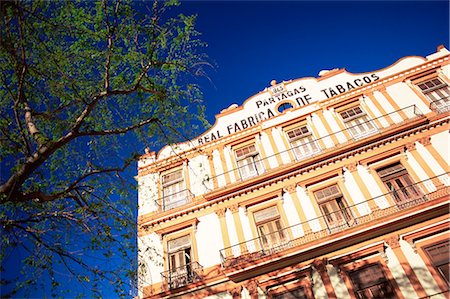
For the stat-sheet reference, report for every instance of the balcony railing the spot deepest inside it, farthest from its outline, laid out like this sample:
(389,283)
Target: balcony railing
(334,222)
(398,117)
(441,105)
(181,276)
(175,200)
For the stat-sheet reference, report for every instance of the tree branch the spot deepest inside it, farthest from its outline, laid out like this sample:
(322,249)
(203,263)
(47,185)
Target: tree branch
(121,130)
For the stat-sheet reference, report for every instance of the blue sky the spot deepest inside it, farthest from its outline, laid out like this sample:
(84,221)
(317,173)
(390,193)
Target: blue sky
(253,42)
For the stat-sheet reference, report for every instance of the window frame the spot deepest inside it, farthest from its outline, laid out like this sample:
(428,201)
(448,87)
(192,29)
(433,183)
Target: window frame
(360,259)
(441,103)
(357,129)
(343,210)
(174,199)
(172,281)
(426,252)
(256,161)
(296,142)
(384,282)
(399,194)
(269,242)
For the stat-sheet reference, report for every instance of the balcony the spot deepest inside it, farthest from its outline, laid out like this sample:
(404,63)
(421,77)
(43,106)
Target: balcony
(336,222)
(181,276)
(175,200)
(441,105)
(318,147)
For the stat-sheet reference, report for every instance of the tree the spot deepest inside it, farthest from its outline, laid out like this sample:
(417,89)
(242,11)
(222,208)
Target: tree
(81,84)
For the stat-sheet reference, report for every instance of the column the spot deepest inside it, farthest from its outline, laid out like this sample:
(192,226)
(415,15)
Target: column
(236,292)
(327,127)
(223,228)
(426,142)
(224,165)
(353,169)
(393,103)
(393,242)
(411,147)
(321,266)
(213,170)
(276,150)
(380,108)
(348,198)
(371,114)
(252,289)
(292,190)
(240,233)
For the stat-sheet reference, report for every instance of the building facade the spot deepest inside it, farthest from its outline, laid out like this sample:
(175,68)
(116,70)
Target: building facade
(327,187)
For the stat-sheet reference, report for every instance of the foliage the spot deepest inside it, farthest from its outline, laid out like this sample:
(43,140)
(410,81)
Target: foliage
(81,84)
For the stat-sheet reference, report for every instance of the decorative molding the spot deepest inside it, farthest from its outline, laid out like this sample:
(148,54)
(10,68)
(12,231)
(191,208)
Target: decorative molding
(425,141)
(320,265)
(176,227)
(291,188)
(236,292)
(352,166)
(411,146)
(221,212)
(393,241)
(234,208)
(252,287)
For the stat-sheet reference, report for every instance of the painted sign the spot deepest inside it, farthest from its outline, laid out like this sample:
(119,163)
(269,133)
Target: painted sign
(263,106)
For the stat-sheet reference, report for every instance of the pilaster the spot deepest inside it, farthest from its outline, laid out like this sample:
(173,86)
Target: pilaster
(321,267)
(393,241)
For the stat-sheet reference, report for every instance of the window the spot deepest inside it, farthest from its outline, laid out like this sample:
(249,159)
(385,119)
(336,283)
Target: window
(270,231)
(303,142)
(174,190)
(332,204)
(439,255)
(370,282)
(285,106)
(397,180)
(298,293)
(358,122)
(437,92)
(182,269)
(249,162)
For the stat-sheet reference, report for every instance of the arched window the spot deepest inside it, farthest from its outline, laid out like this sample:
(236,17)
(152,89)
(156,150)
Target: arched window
(284,106)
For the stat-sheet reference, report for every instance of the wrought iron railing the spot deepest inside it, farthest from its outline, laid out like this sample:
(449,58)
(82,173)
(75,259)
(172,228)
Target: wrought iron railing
(175,200)
(325,225)
(442,105)
(321,144)
(181,276)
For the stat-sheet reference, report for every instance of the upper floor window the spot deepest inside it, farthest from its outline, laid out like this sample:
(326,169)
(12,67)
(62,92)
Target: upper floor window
(439,256)
(370,282)
(182,268)
(358,122)
(336,213)
(269,228)
(437,92)
(249,161)
(174,190)
(397,180)
(303,142)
